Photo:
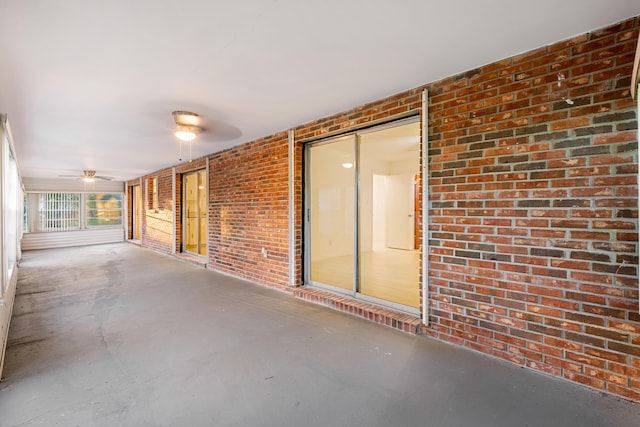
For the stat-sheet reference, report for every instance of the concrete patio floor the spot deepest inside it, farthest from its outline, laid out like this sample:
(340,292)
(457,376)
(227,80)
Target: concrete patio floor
(117,335)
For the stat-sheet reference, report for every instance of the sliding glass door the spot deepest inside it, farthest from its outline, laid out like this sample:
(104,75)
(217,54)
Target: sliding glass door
(195,213)
(361,204)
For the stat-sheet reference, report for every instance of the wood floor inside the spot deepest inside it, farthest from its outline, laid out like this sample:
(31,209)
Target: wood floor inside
(389,274)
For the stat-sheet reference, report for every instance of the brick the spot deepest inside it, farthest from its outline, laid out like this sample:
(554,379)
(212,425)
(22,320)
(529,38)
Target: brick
(545,252)
(632,328)
(569,124)
(607,333)
(615,138)
(632,350)
(551,370)
(569,203)
(591,256)
(586,339)
(584,318)
(629,393)
(615,117)
(605,354)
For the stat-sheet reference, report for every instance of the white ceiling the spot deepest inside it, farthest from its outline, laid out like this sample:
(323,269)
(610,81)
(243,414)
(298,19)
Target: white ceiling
(91,84)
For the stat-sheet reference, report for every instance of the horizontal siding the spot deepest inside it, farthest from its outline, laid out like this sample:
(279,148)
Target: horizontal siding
(62,239)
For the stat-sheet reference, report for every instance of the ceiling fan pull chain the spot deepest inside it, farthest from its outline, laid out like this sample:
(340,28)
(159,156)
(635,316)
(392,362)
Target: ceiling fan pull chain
(180,158)
(189,151)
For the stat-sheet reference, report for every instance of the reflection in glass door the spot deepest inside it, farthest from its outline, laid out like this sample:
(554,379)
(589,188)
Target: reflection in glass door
(361,203)
(195,213)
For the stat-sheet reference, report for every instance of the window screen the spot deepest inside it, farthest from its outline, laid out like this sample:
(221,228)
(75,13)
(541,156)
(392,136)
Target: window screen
(59,212)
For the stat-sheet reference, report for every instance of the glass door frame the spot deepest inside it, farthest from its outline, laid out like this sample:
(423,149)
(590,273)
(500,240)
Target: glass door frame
(136,212)
(183,243)
(355,291)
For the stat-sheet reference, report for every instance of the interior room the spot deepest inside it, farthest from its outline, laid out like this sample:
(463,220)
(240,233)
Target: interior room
(385,173)
(325,214)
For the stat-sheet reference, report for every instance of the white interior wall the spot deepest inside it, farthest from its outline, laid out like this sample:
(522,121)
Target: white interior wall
(411,165)
(379,234)
(370,167)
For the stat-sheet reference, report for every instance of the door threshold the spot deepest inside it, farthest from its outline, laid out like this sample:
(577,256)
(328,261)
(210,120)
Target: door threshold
(381,315)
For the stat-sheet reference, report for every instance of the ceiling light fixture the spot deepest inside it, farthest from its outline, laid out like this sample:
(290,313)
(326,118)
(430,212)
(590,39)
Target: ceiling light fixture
(347,165)
(89,176)
(187,125)
(187,128)
(186,133)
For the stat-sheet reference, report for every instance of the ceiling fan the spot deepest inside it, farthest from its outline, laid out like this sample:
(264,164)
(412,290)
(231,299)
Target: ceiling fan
(188,127)
(88,176)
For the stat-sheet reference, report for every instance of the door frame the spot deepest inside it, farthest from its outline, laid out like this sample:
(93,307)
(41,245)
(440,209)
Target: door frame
(183,212)
(354,292)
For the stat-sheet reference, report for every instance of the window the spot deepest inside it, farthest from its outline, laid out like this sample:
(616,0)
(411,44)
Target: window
(59,212)
(72,211)
(153,193)
(103,209)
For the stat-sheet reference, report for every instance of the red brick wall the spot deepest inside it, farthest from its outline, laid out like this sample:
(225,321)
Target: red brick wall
(534,210)
(533,207)
(248,211)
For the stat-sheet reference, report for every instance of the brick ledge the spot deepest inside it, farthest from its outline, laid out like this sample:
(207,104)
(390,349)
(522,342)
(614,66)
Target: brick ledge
(383,316)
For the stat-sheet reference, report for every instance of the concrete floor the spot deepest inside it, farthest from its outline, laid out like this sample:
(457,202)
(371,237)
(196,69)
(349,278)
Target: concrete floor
(116,335)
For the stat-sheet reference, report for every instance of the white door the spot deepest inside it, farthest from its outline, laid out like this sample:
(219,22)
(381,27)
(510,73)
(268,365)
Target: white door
(400,223)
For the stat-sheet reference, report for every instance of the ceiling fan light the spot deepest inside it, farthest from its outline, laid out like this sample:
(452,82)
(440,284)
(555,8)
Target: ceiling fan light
(186,118)
(89,179)
(186,133)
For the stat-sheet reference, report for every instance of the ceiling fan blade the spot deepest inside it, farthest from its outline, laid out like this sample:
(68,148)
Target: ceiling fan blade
(70,176)
(103,178)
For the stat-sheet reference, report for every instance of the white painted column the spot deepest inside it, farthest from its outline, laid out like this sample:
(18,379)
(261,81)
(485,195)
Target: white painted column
(174,207)
(206,189)
(425,207)
(125,211)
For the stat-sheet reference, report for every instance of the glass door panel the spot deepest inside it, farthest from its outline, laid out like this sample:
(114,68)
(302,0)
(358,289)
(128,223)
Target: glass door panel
(331,208)
(388,259)
(361,201)
(195,213)
(202,212)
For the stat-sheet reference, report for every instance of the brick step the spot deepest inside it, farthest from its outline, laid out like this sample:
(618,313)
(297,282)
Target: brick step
(371,312)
